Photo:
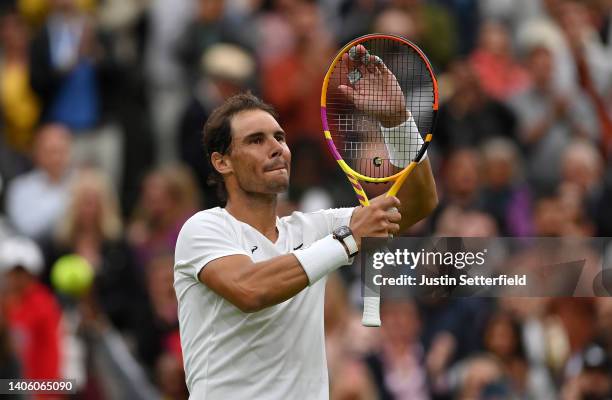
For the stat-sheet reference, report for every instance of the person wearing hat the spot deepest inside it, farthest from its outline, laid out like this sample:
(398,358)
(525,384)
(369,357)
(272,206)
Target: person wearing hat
(32,313)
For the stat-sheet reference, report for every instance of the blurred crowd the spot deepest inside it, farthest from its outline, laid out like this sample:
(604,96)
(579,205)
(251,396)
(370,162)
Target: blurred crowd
(102,104)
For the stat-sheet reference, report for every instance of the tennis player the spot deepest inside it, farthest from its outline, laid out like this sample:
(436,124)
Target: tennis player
(250,285)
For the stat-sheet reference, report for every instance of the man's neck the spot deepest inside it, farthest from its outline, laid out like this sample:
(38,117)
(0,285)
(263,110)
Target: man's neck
(259,211)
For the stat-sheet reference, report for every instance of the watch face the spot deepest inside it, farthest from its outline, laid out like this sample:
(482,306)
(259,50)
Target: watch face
(342,232)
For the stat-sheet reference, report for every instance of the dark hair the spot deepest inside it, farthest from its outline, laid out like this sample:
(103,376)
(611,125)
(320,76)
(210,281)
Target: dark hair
(217,135)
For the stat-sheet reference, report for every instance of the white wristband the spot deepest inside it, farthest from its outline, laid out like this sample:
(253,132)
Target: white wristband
(403,142)
(322,257)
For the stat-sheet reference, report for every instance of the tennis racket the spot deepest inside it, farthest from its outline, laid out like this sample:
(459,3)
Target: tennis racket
(378,108)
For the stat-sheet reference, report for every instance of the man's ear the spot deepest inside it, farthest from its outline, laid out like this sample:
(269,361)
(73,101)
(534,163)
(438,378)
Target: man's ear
(221,163)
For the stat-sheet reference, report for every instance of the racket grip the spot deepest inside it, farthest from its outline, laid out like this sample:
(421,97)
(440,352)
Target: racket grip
(371,311)
(371,305)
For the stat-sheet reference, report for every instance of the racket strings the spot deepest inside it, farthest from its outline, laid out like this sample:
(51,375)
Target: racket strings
(356,132)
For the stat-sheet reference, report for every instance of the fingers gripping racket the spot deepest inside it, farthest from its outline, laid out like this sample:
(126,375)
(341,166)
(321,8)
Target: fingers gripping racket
(378,107)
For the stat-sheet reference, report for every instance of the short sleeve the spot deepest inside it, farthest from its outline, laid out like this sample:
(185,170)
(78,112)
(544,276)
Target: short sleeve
(204,238)
(333,218)
(340,217)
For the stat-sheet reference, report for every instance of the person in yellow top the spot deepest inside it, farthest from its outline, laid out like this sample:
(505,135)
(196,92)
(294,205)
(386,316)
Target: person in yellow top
(19,105)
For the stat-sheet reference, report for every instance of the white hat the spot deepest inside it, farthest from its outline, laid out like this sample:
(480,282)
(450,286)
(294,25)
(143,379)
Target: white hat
(20,252)
(227,61)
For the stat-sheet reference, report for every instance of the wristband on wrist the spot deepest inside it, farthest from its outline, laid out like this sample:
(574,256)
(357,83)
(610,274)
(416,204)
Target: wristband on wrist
(322,257)
(403,142)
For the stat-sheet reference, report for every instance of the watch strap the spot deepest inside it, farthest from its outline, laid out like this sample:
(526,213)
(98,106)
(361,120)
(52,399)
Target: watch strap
(344,235)
(351,245)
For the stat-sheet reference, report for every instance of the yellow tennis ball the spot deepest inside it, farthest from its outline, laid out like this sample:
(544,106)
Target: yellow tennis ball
(72,275)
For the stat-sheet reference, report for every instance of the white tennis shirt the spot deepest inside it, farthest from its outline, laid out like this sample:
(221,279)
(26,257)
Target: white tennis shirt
(275,353)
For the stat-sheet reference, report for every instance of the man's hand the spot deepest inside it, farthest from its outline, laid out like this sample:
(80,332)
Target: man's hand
(377,219)
(376,92)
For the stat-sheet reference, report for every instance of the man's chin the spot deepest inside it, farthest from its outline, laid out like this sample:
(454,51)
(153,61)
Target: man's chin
(279,186)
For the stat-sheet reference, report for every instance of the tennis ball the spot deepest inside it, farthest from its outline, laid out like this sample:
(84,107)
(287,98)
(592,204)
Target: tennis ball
(72,275)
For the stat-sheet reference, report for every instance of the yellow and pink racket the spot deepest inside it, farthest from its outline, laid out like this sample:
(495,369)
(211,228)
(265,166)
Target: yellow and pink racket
(378,108)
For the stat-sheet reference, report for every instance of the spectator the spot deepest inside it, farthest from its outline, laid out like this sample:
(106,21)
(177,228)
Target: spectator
(124,29)
(159,287)
(467,17)
(462,191)
(397,21)
(502,339)
(592,62)
(211,25)
(158,332)
(575,19)
(477,224)
(463,179)
(294,96)
(399,369)
(577,319)
(581,175)
(436,30)
(469,117)
(91,227)
(225,70)
(548,217)
(346,340)
(169,196)
(69,66)
(32,313)
(505,195)
(500,75)
(541,336)
(49,180)
(20,107)
(444,338)
(167,83)
(543,30)
(582,166)
(549,119)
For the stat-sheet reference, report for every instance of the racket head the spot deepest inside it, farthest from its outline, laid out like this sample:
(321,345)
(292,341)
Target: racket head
(353,134)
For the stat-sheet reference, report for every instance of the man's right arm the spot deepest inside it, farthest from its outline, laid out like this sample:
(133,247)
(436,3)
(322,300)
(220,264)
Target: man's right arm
(252,286)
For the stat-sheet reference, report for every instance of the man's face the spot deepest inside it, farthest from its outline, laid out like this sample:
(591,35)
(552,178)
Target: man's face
(541,66)
(259,156)
(52,151)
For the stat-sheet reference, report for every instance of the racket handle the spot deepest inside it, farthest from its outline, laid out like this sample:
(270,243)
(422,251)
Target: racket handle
(371,311)
(371,305)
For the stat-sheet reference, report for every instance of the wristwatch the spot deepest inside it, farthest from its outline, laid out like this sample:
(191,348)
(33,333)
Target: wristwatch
(344,234)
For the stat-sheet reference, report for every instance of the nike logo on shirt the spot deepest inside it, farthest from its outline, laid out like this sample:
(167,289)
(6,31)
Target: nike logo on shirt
(299,247)
(253,249)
